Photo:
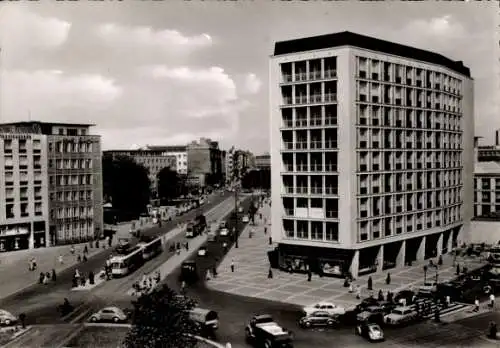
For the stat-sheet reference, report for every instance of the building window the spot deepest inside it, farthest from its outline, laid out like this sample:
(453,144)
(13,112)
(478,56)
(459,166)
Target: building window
(24,210)
(332,231)
(9,211)
(22,146)
(61,131)
(302,229)
(7,145)
(317,230)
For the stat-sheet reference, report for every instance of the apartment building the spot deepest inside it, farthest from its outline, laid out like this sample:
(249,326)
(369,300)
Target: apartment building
(204,163)
(263,161)
(371,153)
(52,181)
(178,151)
(487,191)
(487,153)
(154,160)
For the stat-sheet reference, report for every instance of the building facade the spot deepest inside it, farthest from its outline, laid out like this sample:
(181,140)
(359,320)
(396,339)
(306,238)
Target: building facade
(371,153)
(204,160)
(263,161)
(487,191)
(53,184)
(153,160)
(178,151)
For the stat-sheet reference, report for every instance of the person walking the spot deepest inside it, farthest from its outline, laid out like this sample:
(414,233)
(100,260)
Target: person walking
(492,301)
(61,261)
(232,265)
(476,305)
(358,292)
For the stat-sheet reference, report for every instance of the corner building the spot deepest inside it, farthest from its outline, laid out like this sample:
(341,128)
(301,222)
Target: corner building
(53,185)
(372,153)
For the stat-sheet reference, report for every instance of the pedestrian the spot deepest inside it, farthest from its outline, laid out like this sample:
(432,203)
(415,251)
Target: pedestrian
(84,258)
(370,283)
(232,265)
(224,247)
(270,241)
(476,305)
(72,249)
(260,216)
(91,278)
(492,301)
(270,274)
(79,258)
(61,259)
(85,250)
(440,260)
(54,277)
(187,246)
(214,271)
(358,292)
(22,318)
(41,278)
(77,274)
(83,281)
(45,279)
(388,278)
(380,295)
(265,230)
(458,269)
(447,301)
(351,288)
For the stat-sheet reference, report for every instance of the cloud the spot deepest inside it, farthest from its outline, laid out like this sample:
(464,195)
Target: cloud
(146,37)
(50,95)
(252,83)
(22,31)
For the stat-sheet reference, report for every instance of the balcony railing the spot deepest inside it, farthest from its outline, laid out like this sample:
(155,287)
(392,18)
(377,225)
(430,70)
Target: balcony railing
(330,74)
(287,100)
(332,214)
(316,144)
(288,145)
(315,75)
(317,168)
(287,123)
(330,167)
(330,121)
(302,167)
(330,144)
(330,190)
(316,190)
(315,98)
(301,145)
(301,190)
(330,97)
(288,189)
(287,78)
(301,123)
(289,211)
(300,76)
(301,99)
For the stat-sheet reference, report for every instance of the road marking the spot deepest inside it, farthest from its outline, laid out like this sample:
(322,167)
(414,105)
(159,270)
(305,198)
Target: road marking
(84,313)
(107,325)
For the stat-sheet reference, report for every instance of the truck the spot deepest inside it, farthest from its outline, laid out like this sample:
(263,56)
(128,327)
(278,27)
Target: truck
(196,227)
(263,332)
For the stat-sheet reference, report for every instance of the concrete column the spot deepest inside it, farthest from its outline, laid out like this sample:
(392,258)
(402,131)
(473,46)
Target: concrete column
(439,246)
(48,242)
(380,259)
(449,243)
(355,264)
(421,250)
(31,238)
(400,259)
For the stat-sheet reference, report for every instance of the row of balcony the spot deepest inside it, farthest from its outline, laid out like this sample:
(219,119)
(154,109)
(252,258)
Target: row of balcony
(419,125)
(408,188)
(312,99)
(315,121)
(436,107)
(409,145)
(329,167)
(311,190)
(375,167)
(329,214)
(302,76)
(417,82)
(311,145)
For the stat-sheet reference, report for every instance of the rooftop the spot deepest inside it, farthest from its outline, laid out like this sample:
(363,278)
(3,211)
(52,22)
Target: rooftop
(31,123)
(347,38)
(487,168)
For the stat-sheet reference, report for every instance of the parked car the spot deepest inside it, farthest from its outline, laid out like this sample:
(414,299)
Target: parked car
(7,318)
(113,314)
(224,232)
(427,289)
(212,236)
(400,315)
(365,303)
(370,331)
(318,318)
(202,251)
(406,295)
(328,307)
(245,219)
(372,314)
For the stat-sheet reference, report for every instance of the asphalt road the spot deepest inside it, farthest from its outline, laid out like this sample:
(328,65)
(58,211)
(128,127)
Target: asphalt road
(39,302)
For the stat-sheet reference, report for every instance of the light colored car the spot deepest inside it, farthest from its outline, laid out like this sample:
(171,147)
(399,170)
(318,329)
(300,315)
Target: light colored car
(202,251)
(328,307)
(7,318)
(427,288)
(224,232)
(400,315)
(318,318)
(245,219)
(240,210)
(113,314)
(370,331)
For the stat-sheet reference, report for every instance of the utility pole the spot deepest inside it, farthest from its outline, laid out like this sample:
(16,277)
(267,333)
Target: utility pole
(236,217)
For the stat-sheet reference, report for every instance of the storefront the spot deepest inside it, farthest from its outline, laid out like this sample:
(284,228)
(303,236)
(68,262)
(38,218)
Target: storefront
(14,237)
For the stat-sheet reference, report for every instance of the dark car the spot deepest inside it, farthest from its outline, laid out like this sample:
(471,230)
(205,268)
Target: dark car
(372,314)
(318,318)
(189,272)
(406,295)
(365,303)
(370,331)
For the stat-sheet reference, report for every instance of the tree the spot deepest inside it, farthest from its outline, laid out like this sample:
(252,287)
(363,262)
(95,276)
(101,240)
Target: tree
(168,184)
(126,184)
(257,178)
(161,320)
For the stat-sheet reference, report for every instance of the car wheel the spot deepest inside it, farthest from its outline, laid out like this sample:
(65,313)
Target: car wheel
(307,324)
(93,319)
(6,322)
(268,344)
(116,319)
(330,322)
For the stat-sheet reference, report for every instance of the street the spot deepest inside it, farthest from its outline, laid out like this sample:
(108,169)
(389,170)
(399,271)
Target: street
(39,302)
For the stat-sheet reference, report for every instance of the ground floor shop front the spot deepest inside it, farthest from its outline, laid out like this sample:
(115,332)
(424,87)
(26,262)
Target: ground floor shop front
(20,236)
(339,262)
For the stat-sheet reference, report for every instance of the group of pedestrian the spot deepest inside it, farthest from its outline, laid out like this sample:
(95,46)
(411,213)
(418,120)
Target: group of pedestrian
(46,277)
(147,283)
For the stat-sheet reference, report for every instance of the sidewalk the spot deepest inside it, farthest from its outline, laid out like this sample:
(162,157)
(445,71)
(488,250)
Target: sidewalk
(14,265)
(252,266)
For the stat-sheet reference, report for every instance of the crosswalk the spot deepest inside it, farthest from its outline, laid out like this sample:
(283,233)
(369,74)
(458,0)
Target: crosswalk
(444,311)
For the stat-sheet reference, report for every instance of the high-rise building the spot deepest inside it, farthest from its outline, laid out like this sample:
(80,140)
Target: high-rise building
(52,182)
(371,152)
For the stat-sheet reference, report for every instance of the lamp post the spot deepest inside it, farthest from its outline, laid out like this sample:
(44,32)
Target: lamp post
(425,274)
(236,234)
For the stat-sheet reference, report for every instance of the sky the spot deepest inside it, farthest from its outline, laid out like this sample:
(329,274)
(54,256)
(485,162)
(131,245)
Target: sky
(169,72)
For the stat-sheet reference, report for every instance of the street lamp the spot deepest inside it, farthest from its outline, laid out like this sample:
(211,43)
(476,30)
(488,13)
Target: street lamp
(236,234)
(425,274)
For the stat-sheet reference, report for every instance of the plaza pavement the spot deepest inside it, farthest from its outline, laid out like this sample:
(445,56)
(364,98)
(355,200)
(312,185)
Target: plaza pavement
(252,267)
(14,265)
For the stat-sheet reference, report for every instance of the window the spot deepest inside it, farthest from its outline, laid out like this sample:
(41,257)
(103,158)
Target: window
(9,211)
(61,131)
(72,132)
(332,231)
(24,210)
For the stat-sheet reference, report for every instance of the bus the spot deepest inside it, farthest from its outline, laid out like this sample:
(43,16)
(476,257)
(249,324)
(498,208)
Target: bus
(151,249)
(196,227)
(123,265)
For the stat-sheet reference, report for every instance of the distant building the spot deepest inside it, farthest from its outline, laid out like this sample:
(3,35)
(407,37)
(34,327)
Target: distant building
(179,151)
(487,190)
(487,153)
(52,179)
(229,164)
(153,160)
(263,161)
(242,162)
(204,162)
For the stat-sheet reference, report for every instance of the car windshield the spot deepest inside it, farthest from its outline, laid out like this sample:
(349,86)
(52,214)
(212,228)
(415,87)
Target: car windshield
(397,311)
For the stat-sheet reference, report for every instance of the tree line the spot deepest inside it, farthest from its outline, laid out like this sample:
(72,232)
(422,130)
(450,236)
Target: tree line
(257,179)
